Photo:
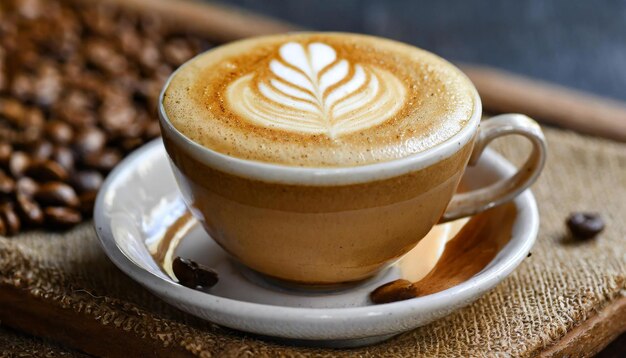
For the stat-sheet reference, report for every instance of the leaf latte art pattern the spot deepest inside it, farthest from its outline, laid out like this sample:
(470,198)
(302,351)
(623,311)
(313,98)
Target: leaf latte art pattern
(307,89)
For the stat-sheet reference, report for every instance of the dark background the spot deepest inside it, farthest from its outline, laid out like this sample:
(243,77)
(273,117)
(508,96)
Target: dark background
(578,43)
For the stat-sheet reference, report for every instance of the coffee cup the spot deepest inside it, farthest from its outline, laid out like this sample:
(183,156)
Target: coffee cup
(319,159)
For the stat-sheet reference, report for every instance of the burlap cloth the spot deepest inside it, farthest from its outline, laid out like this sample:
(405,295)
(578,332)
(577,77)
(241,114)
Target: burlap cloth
(559,286)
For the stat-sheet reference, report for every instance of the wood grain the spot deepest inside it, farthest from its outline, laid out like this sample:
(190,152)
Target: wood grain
(77,329)
(504,92)
(592,335)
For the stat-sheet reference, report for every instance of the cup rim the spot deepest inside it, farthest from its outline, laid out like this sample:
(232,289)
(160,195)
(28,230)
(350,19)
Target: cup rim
(320,176)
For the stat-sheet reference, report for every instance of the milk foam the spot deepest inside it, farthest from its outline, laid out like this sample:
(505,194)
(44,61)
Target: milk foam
(310,90)
(319,99)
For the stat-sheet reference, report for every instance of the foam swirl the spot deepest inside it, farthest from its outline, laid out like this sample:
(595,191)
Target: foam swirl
(308,89)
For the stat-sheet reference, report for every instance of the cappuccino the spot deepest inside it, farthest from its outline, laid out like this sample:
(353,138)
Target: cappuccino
(319,100)
(353,145)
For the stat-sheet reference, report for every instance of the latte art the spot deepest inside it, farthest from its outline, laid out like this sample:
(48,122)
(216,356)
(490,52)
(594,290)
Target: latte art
(318,99)
(308,89)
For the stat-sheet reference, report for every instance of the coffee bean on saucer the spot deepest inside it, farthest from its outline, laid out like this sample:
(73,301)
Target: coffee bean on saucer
(57,194)
(585,225)
(58,217)
(398,290)
(191,274)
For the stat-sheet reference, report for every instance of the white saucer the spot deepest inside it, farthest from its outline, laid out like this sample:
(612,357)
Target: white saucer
(140,199)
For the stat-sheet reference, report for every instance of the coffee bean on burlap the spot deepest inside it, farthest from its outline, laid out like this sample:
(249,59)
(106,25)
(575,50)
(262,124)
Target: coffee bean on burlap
(86,181)
(59,132)
(103,161)
(18,163)
(46,170)
(27,186)
(28,209)
(59,217)
(56,194)
(5,154)
(7,184)
(9,217)
(41,149)
(89,140)
(64,157)
(585,225)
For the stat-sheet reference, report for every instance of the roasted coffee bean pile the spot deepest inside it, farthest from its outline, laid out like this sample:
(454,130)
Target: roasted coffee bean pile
(79,85)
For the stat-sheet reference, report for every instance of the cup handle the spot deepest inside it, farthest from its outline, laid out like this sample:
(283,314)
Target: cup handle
(475,201)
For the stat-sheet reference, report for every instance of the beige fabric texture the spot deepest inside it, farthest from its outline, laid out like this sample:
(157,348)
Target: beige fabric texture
(560,285)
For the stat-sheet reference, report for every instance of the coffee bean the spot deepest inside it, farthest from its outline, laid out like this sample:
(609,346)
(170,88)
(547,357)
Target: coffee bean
(41,150)
(23,87)
(393,291)
(191,274)
(103,161)
(7,184)
(585,225)
(18,163)
(47,85)
(116,116)
(64,157)
(89,140)
(27,186)
(57,194)
(29,210)
(59,132)
(79,89)
(61,217)
(33,119)
(10,219)
(46,170)
(87,202)
(12,110)
(86,181)
(5,154)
